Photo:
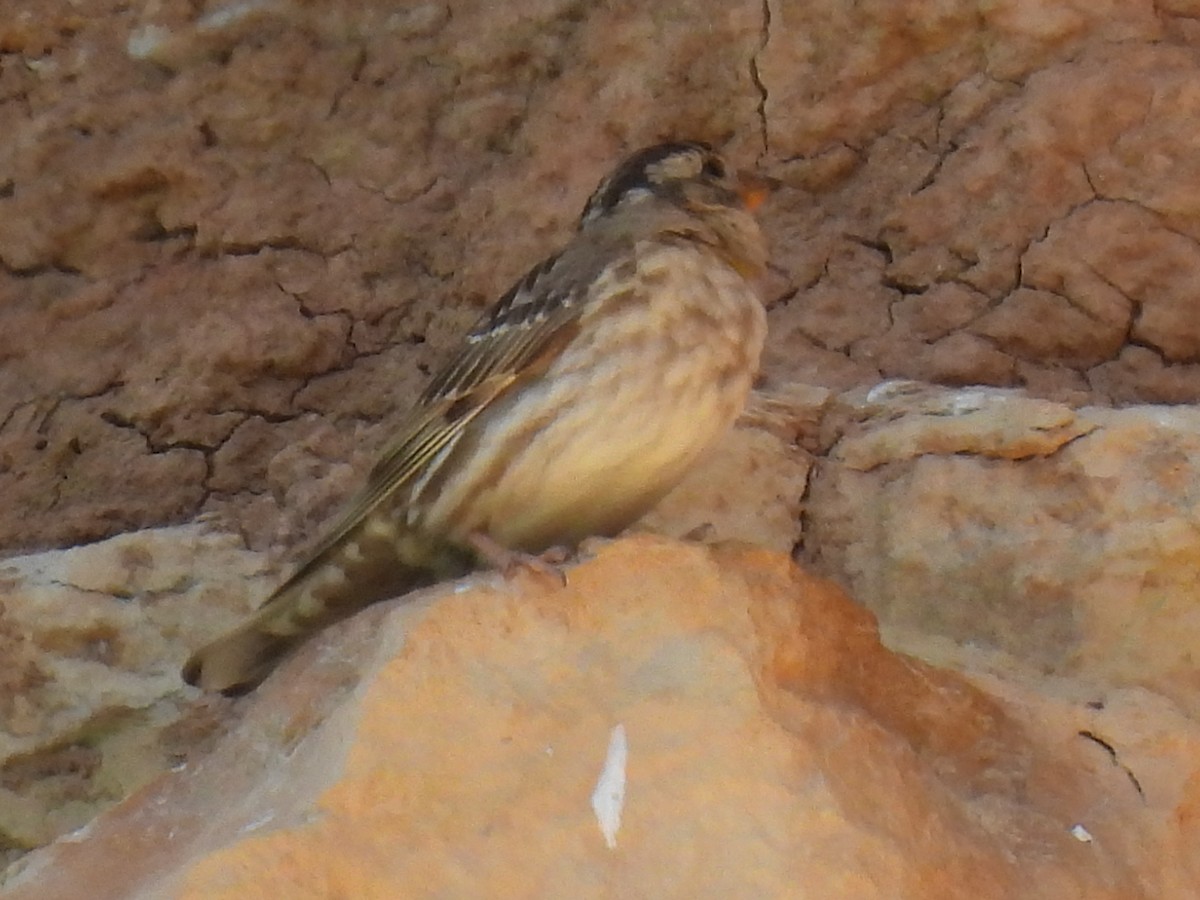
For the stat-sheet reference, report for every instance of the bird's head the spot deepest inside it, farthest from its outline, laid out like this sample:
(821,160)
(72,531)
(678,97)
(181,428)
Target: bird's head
(689,177)
(690,174)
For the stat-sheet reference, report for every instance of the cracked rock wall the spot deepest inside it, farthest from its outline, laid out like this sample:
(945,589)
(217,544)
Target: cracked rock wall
(1001,197)
(234,238)
(239,238)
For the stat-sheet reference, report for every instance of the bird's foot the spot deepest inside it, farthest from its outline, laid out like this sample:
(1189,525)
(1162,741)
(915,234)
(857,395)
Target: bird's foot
(547,564)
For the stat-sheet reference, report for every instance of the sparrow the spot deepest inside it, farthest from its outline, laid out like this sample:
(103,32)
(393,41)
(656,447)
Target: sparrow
(574,404)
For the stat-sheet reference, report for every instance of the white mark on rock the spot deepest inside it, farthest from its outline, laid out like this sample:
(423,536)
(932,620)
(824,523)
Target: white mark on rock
(79,834)
(1081,834)
(261,821)
(608,799)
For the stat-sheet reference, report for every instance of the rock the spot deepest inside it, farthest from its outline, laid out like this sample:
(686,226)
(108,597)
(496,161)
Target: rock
(92,639)
(94,636)
(1066,539)
(774,746)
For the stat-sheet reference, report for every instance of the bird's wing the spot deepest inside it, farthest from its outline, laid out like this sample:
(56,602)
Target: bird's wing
(516,340)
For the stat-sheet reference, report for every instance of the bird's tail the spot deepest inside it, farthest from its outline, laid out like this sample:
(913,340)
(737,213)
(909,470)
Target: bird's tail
(236,662)
(364,567)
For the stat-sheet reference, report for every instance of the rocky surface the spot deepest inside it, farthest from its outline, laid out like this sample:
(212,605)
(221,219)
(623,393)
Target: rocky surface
(93,637)
(1037,559)
(240,234)
(1069,539)
(762,724)
(235,238)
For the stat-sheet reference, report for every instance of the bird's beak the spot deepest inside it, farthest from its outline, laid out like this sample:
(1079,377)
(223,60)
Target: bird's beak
(755,189)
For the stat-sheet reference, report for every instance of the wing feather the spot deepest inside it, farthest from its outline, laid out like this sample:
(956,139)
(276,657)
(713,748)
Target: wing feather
(523,328)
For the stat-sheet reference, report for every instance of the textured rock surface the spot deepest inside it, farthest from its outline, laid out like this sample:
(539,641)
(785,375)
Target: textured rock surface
(235,238)
(239,234)
(765,725)
(1069,539)
(92,639)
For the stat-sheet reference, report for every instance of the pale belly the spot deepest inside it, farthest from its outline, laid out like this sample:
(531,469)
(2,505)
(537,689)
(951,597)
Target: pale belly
(612,426)
(601,464)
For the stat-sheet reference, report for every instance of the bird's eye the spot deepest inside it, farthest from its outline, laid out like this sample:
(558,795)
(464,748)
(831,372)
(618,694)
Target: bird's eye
(713,167)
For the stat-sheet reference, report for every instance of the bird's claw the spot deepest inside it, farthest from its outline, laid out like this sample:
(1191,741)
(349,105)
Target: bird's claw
(548,563)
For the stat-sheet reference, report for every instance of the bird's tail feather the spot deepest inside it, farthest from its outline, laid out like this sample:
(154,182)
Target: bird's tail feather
(237,661)
(363,568)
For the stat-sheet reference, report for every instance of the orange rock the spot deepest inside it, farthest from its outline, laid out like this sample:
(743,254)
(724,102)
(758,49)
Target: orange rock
(775,748)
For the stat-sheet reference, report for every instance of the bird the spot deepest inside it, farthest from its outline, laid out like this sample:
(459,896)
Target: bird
(572,406)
